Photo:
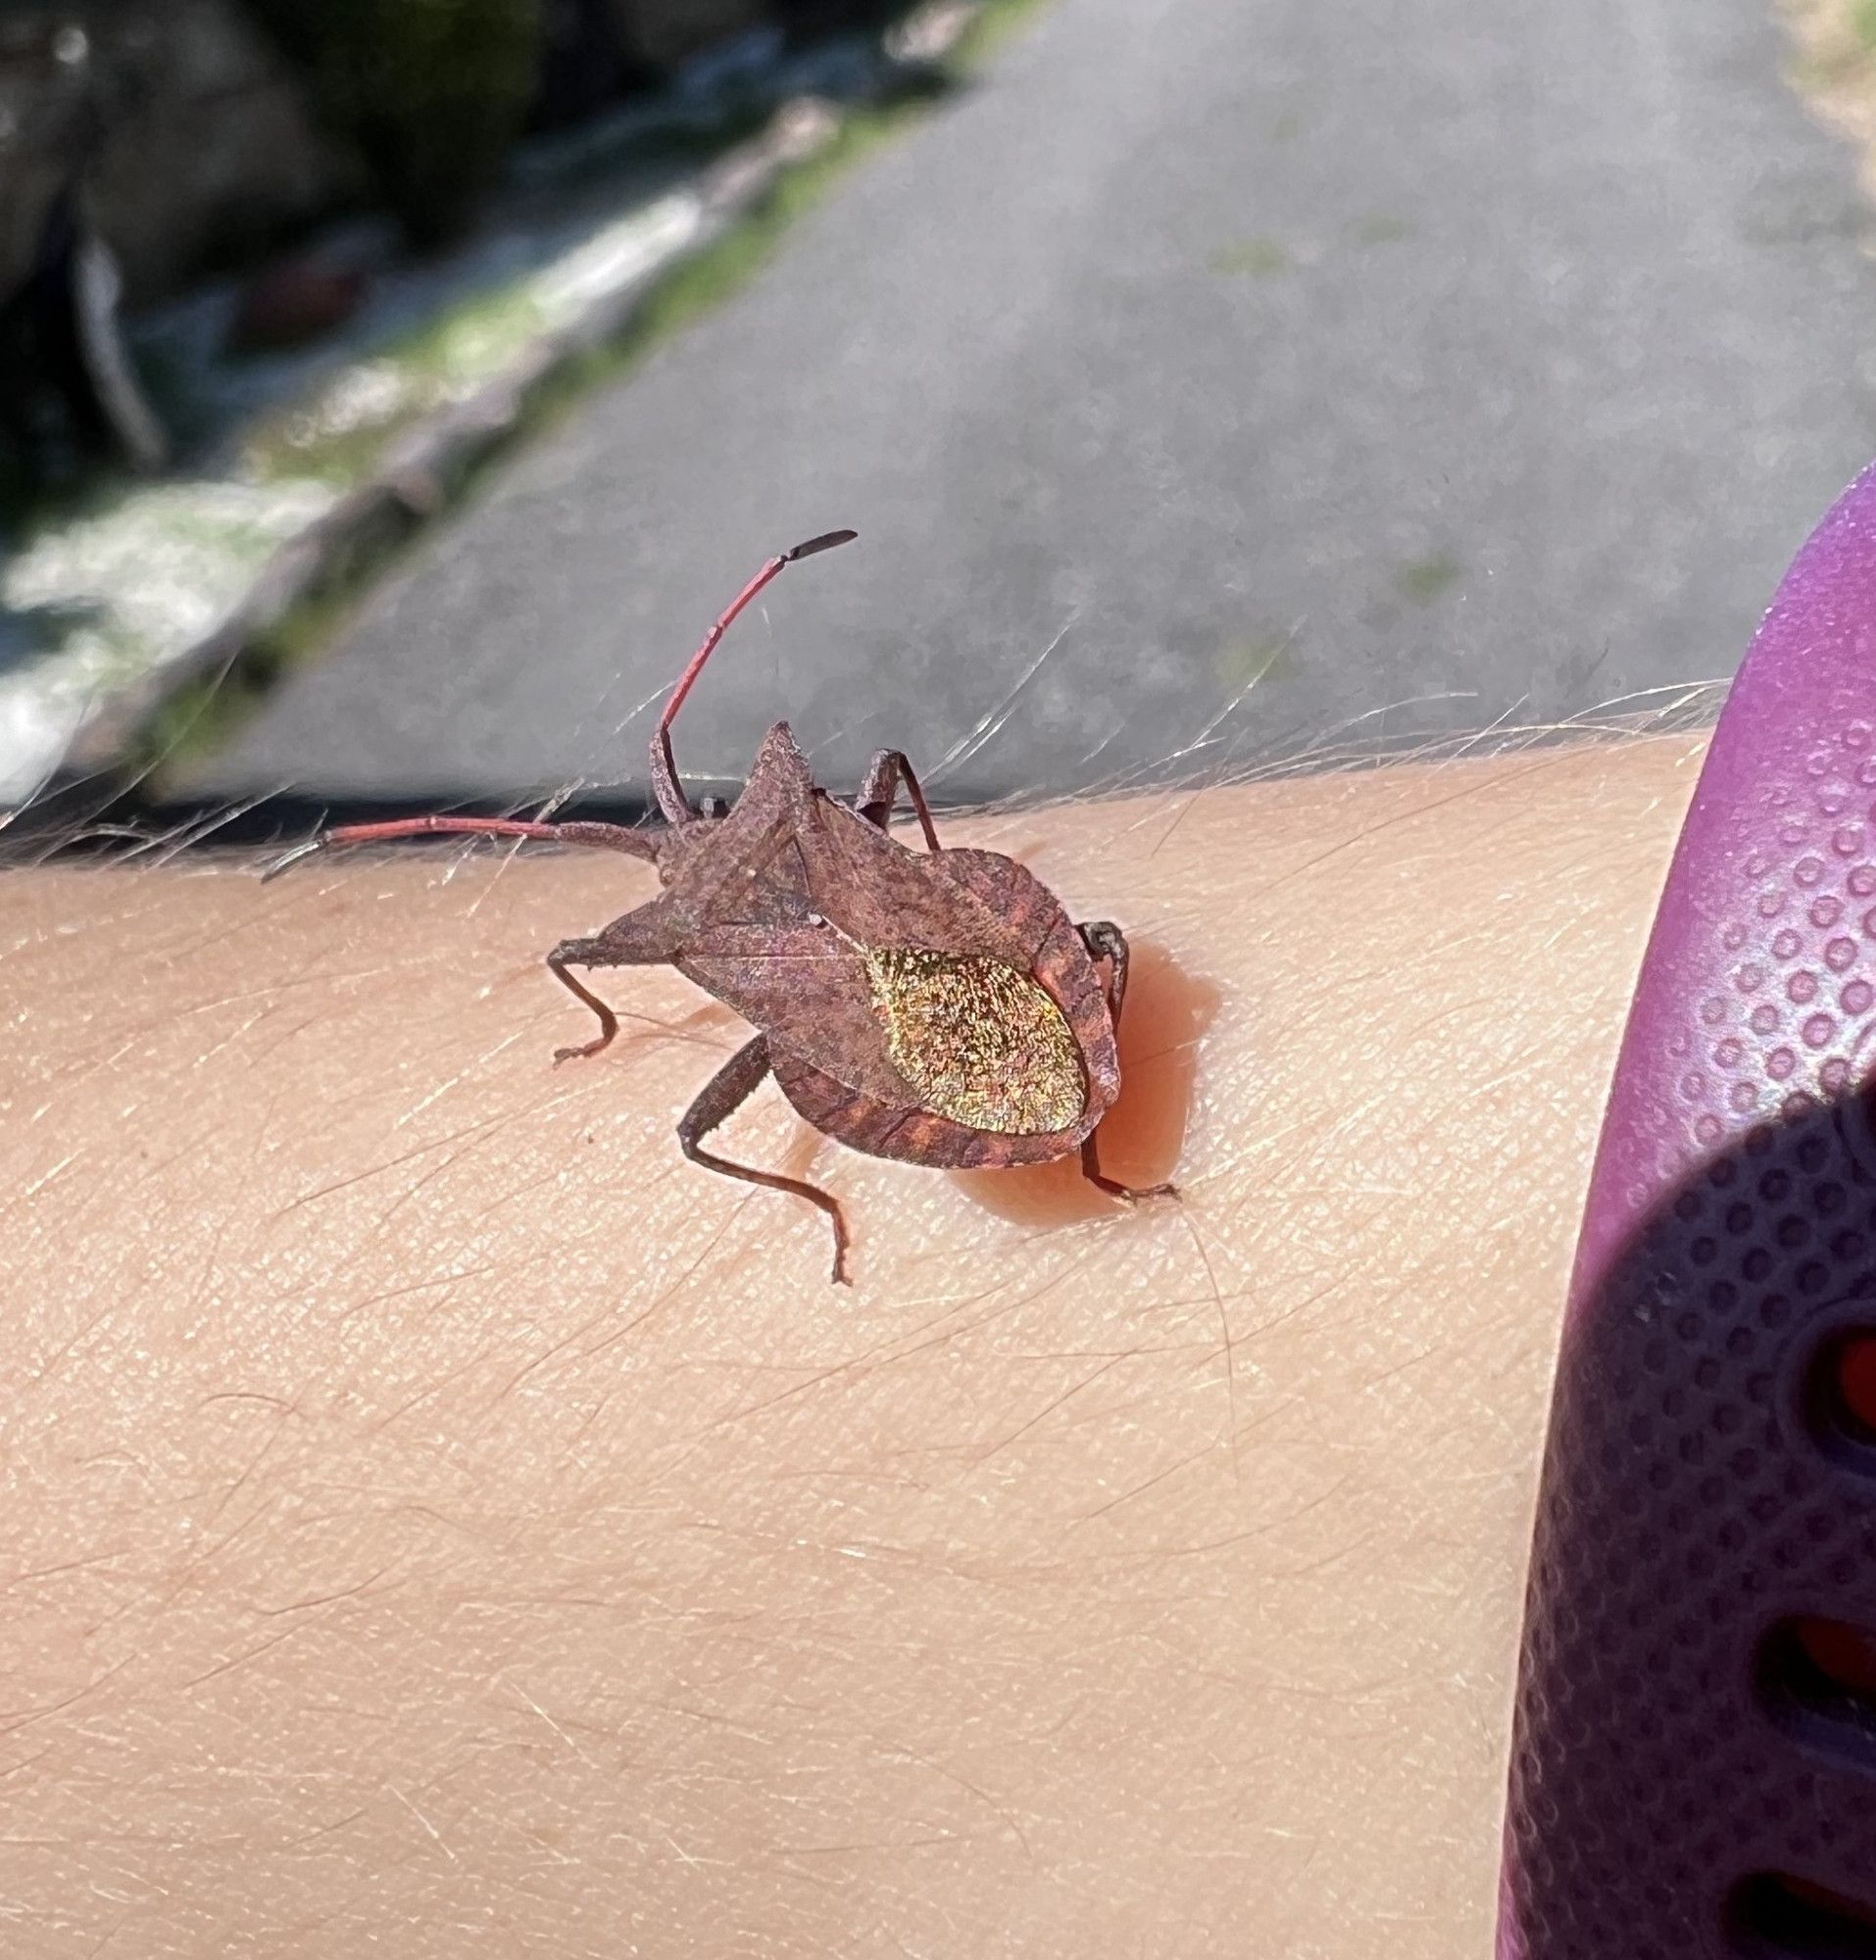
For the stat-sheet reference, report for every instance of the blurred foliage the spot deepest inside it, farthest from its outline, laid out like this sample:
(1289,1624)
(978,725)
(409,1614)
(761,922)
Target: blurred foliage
(430,92)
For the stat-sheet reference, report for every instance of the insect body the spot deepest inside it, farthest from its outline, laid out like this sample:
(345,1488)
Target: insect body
(936,1006)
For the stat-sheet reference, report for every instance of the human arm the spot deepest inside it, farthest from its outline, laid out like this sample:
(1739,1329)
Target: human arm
(440,1512)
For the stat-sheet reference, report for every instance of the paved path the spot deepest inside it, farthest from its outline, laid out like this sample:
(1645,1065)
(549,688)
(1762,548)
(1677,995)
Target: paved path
(1394,350)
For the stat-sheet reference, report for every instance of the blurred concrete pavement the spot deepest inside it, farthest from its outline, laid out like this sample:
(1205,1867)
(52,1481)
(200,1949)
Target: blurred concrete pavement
(1398,365)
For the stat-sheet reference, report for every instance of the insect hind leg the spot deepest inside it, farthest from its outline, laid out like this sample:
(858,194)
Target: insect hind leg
(719,1097)
(1105,941)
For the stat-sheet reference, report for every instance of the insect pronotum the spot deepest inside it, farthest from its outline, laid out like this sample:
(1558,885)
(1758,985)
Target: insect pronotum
(938,1007)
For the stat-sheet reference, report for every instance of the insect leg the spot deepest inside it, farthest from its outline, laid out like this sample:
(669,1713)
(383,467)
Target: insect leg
(646,937)
(879,791)
(1105,941)
(583,952)
(730,1087)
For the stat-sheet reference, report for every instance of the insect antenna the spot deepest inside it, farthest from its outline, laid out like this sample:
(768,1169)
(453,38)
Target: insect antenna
(606,836)
(671,797)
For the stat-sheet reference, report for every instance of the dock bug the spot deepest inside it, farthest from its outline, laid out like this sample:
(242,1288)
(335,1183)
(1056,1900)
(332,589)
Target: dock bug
(937,1006)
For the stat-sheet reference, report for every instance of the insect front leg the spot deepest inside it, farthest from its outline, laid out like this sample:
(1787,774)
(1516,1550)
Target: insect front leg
(583,952)
(1105,941)
(725,1091)
(647,937)
(879,792)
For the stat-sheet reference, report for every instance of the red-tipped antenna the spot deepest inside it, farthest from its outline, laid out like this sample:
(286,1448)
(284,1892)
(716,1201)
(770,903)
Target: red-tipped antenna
(606,836)
(665,785)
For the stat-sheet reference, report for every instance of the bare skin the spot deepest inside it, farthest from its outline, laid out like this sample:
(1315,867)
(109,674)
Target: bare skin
(439,1516)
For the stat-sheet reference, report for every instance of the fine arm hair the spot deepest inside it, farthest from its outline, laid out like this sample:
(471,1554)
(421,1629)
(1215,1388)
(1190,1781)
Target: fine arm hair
(437,1511)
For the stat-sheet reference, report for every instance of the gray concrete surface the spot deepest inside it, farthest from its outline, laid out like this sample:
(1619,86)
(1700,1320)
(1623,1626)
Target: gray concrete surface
(1398,364)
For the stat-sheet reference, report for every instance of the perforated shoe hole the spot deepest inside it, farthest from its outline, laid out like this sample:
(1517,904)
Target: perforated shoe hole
(1774,1916)
(1840,1398)
(1816,1679)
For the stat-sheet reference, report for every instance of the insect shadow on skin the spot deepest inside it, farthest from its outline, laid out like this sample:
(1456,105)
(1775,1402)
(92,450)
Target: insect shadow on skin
(1168,1011)
(938,1007)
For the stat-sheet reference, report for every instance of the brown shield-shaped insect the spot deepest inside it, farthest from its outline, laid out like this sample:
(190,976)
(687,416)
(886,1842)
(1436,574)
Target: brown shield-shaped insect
(937,1007)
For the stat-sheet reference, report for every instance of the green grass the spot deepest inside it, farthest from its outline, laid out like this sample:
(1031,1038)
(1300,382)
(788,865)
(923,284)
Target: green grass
(463,345)
(1423,579)
(704,279)
(340,457)
(198,719)
(1834,41)
(1259,657)
(997,23)
(1251,258)
(1378,228)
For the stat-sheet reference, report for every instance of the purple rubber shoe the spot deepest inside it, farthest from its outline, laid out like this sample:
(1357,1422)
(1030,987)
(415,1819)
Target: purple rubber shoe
(1693,1763)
